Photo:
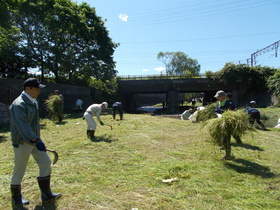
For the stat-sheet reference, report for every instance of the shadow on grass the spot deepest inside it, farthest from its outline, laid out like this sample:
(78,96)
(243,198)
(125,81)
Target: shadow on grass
(247,146)
(61,123)
(43,125)
(107,139)
(3,138)
(250,168)
(73,115)
(4,129)
(51,205)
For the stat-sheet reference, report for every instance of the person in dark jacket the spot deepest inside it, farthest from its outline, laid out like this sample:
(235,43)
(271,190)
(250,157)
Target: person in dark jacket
(117,107)
(223,105)
(26,141)
(229,99)
(254,115)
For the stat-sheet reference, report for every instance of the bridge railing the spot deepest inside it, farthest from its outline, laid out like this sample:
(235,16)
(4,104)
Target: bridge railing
(152,77)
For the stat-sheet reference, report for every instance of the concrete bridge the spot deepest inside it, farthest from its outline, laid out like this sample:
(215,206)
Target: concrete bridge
(128,89)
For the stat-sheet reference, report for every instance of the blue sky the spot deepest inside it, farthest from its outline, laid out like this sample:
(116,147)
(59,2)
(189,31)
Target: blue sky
(213,32)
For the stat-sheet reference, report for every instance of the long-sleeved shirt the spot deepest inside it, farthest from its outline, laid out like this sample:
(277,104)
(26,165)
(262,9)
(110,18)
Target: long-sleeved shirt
(95,109)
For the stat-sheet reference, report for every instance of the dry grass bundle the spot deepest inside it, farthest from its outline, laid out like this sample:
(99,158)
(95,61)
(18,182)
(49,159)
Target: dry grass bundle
(231,123)
(207,113)
(54,106)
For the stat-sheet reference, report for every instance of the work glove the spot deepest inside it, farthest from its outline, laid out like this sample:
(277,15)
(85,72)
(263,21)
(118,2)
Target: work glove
(40,145)
(101,123)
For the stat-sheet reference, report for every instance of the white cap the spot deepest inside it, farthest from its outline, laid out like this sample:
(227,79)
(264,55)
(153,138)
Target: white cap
(105,104)
(220,93)
(253,102)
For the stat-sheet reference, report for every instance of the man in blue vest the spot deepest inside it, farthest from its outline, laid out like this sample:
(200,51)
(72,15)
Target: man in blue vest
(117,107)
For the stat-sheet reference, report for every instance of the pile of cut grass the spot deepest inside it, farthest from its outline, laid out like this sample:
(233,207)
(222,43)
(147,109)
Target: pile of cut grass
(231,123)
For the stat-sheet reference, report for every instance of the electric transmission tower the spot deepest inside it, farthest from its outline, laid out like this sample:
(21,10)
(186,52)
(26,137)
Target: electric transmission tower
(253,60)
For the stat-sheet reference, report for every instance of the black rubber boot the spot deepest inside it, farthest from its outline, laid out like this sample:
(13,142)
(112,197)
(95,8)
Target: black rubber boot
(17,200)
(88,134)
(92,134)
(46,193)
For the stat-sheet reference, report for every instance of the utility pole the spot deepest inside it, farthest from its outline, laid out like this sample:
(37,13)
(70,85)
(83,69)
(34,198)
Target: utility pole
(271,47)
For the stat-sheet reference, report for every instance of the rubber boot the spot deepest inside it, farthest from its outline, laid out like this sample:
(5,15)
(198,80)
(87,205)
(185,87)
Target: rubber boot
(46,193)
(92,134)
(17,200)
(88,134)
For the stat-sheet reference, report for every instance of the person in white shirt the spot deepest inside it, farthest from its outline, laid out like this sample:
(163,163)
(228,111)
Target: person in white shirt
(185,115)
(94,109)
(78,106)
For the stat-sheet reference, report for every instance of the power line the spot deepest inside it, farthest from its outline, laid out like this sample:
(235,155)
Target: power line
(253,59)
(192,12)
(202,39)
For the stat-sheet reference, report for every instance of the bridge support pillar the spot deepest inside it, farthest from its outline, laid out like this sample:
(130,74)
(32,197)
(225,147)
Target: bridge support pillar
(172,101)
(128,101)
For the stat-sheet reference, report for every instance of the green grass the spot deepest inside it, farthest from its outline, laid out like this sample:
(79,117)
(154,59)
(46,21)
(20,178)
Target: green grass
(125,168)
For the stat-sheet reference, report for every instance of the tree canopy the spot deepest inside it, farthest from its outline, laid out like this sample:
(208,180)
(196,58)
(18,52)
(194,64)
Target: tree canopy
(254,78)
(57,37)
(179,64)
(274,84)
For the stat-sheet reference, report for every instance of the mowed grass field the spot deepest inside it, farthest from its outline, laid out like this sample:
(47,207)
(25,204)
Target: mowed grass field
(125,168)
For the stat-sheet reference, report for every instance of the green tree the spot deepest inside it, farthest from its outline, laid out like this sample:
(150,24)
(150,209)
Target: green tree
(10,61)
(178,63)
(29,18)
(81,46)
(5,16)
(274,84)
(63,38)
(252,78)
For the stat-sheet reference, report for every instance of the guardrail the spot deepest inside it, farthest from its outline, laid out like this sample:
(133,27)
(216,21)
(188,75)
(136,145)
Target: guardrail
(152,77)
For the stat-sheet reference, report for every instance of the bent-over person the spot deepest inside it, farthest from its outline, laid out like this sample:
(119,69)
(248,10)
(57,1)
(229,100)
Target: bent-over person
(93,110)
(117,107)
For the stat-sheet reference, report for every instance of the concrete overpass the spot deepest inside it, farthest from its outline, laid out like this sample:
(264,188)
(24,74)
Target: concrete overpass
(171,87)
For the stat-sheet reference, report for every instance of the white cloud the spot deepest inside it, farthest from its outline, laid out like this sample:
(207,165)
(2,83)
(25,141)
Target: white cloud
(160,69)
(123,17)
(145,70)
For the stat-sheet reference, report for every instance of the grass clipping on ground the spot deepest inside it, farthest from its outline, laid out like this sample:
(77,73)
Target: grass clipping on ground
(231,123)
